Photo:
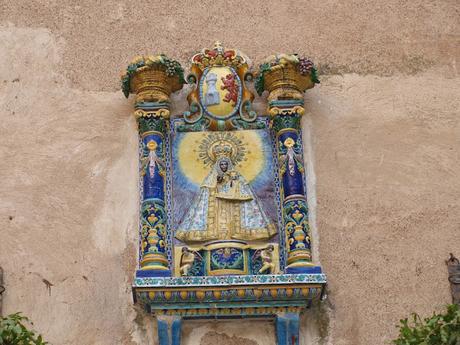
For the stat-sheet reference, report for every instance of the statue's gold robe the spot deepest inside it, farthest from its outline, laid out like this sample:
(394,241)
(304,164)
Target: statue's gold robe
(226,208)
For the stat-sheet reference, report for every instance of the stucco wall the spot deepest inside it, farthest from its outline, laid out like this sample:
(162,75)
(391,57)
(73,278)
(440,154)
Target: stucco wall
(382,139)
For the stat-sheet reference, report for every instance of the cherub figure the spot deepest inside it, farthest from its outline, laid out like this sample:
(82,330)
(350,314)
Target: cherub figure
(187,260)
(267,260)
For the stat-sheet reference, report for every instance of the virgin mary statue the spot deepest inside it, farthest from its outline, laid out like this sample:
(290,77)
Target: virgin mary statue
(225,208)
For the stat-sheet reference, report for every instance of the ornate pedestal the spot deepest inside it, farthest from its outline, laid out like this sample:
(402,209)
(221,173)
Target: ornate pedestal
(224,229)
(226,258)
(279,296)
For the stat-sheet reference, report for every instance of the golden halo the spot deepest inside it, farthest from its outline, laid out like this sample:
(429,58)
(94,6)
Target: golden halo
(152,145)
(196,162)
(214,145)
(289,142)
(214,154)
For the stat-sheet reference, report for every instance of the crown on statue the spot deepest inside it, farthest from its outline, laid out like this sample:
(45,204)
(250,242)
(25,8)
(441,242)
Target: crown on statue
(222,149)
(217,145)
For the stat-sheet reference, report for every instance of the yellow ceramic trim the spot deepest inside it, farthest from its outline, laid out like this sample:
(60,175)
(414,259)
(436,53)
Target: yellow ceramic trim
(230,287)
(281,131)
(150,133)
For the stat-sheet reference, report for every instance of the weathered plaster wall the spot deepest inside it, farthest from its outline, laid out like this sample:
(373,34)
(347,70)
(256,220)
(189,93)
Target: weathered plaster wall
(384,134)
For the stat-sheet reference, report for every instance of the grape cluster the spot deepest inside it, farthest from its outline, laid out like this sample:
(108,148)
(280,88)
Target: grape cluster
(170,67)
(305,65)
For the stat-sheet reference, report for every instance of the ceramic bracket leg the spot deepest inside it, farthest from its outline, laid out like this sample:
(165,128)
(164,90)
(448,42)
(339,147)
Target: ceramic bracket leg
(169,330)
(287,329)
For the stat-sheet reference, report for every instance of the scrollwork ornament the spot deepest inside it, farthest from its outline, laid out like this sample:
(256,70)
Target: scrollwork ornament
(278,111)
(162,112)
(246,112)
(194,114)
(192,78)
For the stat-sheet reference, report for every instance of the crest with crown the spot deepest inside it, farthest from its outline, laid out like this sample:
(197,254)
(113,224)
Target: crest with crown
(231,108)
(218,56)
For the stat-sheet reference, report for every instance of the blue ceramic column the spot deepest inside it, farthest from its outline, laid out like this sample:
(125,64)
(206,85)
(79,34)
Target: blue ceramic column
(287,329)
(153,217)
(153,79)
(293,191)
(286,77)
(169,330)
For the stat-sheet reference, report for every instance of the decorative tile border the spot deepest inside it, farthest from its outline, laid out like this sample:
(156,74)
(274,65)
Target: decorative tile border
(196,313)
(229,280)
(217,296)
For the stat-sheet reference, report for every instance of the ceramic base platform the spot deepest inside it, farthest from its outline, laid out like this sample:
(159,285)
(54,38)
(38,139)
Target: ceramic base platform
(282,297)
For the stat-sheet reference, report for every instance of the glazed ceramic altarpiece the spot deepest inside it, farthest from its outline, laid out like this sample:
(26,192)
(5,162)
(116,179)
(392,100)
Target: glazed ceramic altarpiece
(224,230)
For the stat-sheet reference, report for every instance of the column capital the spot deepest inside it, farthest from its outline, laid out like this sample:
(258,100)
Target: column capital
(286,78)
(152,78)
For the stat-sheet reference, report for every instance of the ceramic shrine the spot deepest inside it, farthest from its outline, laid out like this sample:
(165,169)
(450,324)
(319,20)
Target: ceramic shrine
(224,229)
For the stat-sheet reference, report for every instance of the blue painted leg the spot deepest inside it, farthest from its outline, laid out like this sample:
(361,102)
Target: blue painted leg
(169,330)
(287,329)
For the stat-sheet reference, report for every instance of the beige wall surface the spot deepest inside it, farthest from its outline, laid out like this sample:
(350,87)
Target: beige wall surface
(382,145)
